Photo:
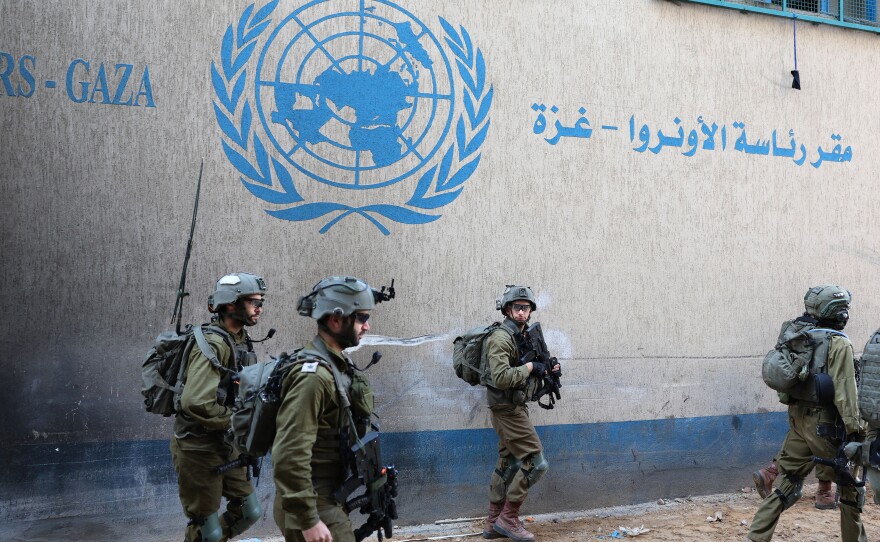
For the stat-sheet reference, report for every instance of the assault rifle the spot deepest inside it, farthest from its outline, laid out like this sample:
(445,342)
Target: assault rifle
(532,347)
(843,476)
(380,482)
(253,465)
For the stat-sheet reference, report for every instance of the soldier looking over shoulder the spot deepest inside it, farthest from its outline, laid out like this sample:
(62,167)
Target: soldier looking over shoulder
(521,461)
(199,443)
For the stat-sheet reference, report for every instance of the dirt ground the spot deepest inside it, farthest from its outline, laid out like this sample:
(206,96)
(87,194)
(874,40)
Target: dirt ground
(679,520)
(685,519)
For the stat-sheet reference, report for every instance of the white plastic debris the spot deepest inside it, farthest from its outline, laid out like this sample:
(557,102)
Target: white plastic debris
(634,531)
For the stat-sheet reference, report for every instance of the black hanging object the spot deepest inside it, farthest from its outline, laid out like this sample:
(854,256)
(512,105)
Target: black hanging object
(796,76)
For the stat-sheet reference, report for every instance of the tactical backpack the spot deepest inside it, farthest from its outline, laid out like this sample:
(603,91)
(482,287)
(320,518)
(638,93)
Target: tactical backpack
(257,402)
(869,384)
(469,359)
(259,397)
(801,351)
(164,368)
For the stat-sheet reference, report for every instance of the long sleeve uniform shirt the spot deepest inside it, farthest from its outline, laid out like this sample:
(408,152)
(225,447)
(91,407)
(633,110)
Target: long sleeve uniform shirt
(310,402)
(842,372)
(201,413)
(502,356)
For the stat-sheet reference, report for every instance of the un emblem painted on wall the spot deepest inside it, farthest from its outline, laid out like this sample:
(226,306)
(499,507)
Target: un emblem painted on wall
(344,108)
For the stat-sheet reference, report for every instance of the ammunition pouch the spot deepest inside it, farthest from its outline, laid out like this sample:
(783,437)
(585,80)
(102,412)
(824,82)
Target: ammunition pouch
(361,397)
(835,431)
(247,358)
(517,397)
(226,391)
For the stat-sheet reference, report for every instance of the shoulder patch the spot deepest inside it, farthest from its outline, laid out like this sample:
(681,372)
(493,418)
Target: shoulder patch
(309,367)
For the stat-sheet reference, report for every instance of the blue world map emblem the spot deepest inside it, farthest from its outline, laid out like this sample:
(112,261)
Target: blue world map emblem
(350,108)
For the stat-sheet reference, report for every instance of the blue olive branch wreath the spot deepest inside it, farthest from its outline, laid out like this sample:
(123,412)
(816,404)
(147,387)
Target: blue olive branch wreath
(236,52)
(472,69)
(438,186)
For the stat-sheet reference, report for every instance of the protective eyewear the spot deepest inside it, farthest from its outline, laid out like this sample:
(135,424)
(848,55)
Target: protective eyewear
(255,303)
(516,307)
(362,317)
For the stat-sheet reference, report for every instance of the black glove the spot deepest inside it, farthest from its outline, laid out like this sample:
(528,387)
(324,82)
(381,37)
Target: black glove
(538,368)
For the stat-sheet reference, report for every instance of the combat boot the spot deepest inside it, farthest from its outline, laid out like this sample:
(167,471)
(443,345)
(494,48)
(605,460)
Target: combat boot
(509,525)
(489,525)
(764,479)
(826,498)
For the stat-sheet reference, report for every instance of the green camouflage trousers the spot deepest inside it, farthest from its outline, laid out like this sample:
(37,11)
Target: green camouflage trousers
(517,441)
(795,462)
(201,489)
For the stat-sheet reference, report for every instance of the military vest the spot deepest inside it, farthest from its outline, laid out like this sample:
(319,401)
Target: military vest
(869,384)
(333,444)
(519,395)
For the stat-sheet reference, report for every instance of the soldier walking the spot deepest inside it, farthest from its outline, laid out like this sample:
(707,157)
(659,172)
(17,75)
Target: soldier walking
(200,441)
(823,413)
(314,423)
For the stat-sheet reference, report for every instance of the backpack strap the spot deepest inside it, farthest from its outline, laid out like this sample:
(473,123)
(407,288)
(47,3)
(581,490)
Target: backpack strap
(328,443)
(828,332)
(821,346)
(205,347)
(341,389)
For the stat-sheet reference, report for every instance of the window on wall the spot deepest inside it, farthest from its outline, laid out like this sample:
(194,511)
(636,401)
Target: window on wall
(860,14)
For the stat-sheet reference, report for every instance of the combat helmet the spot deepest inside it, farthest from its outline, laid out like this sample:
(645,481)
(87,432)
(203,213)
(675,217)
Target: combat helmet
(513,293)
(341,295)
(825,302)
(233,286)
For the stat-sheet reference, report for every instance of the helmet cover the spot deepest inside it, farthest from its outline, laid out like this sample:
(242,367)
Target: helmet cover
(233,286)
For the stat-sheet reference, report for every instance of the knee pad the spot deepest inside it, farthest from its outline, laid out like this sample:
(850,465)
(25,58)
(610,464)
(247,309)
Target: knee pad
(540,465)
(791,496)
(250,513)
(209,530)
(510,470)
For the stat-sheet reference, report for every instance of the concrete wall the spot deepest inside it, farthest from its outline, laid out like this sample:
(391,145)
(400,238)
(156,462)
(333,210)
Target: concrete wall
(662,275)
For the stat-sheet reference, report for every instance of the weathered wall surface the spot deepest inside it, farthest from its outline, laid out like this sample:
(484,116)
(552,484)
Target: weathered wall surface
(646,168)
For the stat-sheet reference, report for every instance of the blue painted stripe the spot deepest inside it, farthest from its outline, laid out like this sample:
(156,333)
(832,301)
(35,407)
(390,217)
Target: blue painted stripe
(442,473)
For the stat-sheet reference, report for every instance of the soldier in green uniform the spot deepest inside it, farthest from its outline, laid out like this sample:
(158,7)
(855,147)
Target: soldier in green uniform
(199,443)
(822,412)
(521,461)
(313,423)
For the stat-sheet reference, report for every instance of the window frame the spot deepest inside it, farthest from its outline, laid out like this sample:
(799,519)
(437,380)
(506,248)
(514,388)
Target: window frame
(789,13)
